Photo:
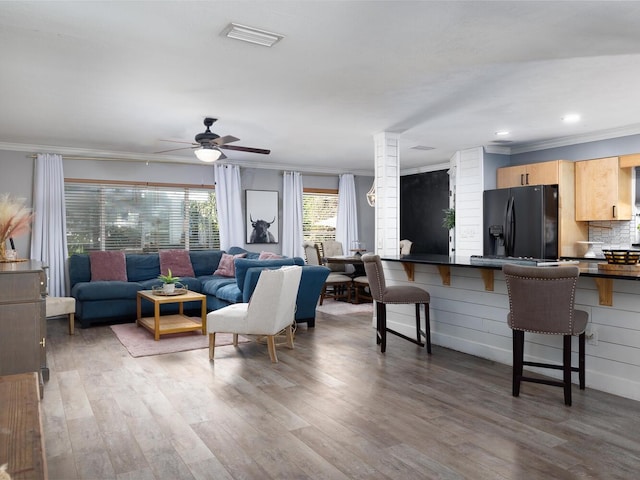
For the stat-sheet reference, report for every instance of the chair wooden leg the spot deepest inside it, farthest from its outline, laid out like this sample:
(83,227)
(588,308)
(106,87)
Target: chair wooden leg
(518,354)
(566,369)
(71,323)
(235,339)
(323,293)
(581,362)
(382,318)
(427,328)
(271,343)
(212,344)
(289,335)
(418,334)
(378,318)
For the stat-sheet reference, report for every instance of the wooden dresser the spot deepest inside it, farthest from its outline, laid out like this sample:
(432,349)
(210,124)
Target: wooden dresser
(23,325)
(21,436)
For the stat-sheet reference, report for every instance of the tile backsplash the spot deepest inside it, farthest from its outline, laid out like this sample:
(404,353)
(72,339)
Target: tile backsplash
(613,234)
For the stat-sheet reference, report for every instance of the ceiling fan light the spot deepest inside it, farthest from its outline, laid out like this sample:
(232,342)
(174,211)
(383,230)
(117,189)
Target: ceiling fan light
(208,155)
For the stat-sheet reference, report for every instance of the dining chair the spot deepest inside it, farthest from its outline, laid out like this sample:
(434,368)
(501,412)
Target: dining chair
(271,309)
(395,294)
(337,285)
(541,300)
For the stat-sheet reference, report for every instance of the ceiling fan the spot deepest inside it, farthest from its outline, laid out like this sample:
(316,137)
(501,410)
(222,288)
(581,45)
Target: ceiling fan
(207,144)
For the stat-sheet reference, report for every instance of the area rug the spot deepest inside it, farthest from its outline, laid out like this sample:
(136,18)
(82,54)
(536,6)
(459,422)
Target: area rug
(140,343)
(334,307)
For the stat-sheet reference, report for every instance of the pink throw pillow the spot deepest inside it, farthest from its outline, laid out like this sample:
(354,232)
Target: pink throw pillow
(109,265)
(178,261)
(268,255)
(226,267)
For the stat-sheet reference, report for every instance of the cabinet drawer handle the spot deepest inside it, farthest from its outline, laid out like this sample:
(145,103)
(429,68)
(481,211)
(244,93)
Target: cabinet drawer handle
(614,211)
(522,179)
(43,343)
(527,181)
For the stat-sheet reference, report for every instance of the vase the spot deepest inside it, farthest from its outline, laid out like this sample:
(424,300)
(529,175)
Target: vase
(169,287)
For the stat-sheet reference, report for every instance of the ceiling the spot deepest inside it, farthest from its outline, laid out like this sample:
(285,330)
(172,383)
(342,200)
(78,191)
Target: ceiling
(116,78)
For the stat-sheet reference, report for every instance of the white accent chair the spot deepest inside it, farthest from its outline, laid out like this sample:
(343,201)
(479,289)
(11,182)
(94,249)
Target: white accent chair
(270,310)
(58,306)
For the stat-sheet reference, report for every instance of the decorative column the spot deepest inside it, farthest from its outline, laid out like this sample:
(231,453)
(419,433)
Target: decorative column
(387,182)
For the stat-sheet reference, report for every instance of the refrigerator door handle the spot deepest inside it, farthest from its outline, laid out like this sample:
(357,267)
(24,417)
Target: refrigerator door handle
(509,232)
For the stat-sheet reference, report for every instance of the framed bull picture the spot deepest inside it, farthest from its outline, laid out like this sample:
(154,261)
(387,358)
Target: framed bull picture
(262,216)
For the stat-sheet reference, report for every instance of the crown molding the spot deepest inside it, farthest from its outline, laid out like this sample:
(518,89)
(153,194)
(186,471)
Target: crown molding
(576,139)
(105,155)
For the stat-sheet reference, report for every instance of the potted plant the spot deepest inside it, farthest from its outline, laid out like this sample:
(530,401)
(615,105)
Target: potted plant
(449,219)
(169,282)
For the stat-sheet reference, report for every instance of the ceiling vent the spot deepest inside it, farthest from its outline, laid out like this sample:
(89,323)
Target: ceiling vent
(252,35)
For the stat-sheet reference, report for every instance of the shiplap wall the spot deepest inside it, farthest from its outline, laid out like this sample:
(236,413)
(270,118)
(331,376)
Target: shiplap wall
(387,165)
(466,318)
(469,184)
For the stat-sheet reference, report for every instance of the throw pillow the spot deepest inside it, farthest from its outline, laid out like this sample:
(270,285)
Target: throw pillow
(226,267)
(176,260)
(110,265)
(268,255)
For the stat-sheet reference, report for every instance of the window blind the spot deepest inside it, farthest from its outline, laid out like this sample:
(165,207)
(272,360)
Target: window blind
(139,218)
(320,212)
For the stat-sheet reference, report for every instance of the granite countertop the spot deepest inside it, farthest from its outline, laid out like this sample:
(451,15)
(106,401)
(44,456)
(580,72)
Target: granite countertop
(588,266)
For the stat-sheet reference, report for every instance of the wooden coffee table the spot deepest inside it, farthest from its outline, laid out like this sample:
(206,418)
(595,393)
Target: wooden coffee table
(176,323)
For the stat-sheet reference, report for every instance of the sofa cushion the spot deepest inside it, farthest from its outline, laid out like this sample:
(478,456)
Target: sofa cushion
(178,261)
(109,265)
(226,268)
(105,290)
(231,293)
(243,264)
(205,262)
(142,266)
(211,283)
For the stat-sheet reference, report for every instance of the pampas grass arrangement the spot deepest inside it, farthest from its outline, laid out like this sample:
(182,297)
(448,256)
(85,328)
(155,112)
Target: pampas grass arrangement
(15,220)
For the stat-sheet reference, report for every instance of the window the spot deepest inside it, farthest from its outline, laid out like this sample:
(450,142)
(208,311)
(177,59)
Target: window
(319,215)
(139,217)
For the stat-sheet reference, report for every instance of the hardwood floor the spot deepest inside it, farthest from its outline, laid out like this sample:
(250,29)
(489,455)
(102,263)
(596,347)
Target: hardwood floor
(333,408)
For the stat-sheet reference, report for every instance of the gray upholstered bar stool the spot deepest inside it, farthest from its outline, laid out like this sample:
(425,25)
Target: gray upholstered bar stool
(541,300)
(396,294)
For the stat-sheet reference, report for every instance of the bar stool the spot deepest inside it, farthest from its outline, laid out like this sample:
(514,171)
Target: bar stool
(397,294)
(541,300)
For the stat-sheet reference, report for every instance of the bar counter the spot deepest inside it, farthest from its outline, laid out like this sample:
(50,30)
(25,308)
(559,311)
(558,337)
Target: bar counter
(469,306)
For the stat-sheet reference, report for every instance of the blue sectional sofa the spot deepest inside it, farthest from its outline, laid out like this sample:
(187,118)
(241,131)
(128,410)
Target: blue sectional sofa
(115,301)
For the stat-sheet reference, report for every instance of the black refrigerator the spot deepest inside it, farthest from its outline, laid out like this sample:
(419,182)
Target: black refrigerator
(521,222)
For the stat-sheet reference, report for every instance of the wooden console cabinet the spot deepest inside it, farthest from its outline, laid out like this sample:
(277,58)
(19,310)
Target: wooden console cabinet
(23,318)
(603,190)
(562,173)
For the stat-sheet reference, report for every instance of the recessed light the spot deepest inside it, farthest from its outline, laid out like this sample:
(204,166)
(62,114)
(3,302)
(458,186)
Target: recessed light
(502,133)
(251,34)
(571,118)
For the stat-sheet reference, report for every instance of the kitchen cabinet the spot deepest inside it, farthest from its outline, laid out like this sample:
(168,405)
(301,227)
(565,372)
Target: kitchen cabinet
(603,190)
(543,173)
(23,318)
(555,172)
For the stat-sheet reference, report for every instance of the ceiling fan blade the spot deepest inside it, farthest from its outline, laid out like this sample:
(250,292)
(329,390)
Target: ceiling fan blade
(176,141)
(176,149)
(246,149)
(224,140)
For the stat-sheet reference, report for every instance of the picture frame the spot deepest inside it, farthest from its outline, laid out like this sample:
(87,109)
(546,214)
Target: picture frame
(261,216)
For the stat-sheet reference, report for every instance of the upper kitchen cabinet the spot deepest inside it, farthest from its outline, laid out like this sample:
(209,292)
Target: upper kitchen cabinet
(603,190)
(543,173)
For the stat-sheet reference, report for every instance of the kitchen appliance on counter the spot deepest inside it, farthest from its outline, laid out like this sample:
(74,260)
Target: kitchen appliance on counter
(521,222)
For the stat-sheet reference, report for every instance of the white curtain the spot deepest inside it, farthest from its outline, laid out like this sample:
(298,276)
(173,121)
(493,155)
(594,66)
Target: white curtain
(347,222)
(292,236)
(229,205)
(48,238)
